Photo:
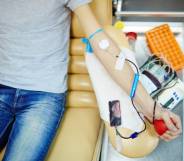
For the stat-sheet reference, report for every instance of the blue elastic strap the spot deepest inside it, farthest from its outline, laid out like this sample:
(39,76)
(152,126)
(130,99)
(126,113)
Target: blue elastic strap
(88,45)
(93,34)
(86,41)
(134,86)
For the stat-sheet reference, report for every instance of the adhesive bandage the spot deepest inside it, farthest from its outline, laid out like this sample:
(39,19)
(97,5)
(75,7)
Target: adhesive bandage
(120,61)
(104,44)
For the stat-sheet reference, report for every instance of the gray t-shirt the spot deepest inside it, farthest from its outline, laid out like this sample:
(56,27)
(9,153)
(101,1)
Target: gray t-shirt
(34,41)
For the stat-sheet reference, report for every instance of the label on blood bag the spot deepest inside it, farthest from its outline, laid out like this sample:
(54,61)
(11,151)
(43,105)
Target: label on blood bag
(147,83)
(120,61)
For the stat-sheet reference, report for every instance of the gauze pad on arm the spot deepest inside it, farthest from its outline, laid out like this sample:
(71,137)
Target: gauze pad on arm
(104,44)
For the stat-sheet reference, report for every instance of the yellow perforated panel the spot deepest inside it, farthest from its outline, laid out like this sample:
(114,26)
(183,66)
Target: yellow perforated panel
(162,42)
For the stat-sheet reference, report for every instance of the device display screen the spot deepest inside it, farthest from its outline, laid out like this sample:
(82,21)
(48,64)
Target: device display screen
(169,102)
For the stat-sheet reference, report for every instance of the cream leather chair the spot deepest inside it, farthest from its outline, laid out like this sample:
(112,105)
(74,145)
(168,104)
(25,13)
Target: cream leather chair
(80,134)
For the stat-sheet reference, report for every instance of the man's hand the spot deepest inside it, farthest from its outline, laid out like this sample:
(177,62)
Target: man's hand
(172,121)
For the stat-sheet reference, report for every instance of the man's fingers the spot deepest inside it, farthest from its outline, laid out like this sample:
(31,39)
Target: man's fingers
(169,123)
(168,137)
(177,121)
(171,133)
(165,138)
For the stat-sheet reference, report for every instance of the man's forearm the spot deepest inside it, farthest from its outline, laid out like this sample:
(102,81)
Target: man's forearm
(108,58)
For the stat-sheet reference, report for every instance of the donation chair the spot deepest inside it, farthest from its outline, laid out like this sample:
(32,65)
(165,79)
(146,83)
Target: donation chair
(80,133)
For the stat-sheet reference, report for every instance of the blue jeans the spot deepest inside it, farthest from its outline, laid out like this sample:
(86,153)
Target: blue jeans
(29,119)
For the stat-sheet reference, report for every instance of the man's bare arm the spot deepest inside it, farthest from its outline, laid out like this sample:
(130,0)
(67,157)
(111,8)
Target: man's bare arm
(125,76)
(108,58)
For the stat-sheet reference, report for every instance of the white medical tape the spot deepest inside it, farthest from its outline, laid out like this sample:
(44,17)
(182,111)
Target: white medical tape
(120,61)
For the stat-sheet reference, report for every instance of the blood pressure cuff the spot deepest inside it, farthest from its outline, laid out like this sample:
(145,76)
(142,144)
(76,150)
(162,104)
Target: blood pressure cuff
(106,89)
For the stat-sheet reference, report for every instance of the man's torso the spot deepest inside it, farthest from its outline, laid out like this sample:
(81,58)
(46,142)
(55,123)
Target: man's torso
(34,37)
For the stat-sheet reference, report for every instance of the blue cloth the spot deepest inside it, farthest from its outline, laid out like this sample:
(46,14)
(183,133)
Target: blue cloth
(32,119)
(34,43)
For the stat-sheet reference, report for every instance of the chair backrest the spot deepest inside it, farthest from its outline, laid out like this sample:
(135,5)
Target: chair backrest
(80,90)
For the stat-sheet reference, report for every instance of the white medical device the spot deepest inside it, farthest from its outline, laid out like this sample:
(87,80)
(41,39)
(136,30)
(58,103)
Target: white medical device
(161,82)
(172,95)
